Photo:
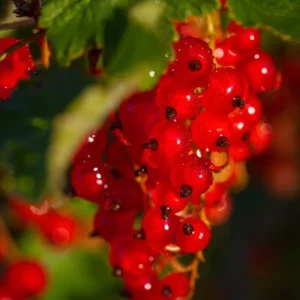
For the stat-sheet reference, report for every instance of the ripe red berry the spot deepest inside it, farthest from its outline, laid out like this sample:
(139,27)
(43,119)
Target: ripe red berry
(240,152)
(252,109)
(166,195)
(239,130)
(225,91)
(214,194)
(224,54)
(210,132)
(25,278)
(192,176)
(57,229)
(133,258)
(14,67)
(193,235)
(173,286)
(112,224)
(92,147)
(90,180)
(176,102)
(168,142)
(160,226)
(193,62)
(261,138)
(260,71)
(247,40)
(138,114)
(220,211)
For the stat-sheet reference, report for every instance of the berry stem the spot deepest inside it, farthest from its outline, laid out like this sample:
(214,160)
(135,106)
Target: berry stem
(22,43)
(16,25)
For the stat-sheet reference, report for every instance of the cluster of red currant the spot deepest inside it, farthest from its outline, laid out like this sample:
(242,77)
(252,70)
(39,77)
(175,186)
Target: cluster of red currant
(13,67)
(22,280)
(172,156)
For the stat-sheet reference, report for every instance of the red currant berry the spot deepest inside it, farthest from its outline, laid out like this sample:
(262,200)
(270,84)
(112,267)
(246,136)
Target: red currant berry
(93,146)
(260,71)
(179,103)
(210,132)
(90,180)
(166,195)
(192,176)
(219,212)
(225,91)
(133,257)
(261,138)
(241,152)
(215,194)
(14,67)
(173,286)
(168,142)
(112,224)
(160,226)
(58,229)
(239,130)
(253,109)
(138,114)
(193,62)
(224,54)
(25,278)
(193,235)
(247,40)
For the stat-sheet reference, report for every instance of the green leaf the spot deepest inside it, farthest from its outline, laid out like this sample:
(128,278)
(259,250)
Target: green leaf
(74,25)
(282,16)
(177,9)
(27,117)
(73,273)
(143,39)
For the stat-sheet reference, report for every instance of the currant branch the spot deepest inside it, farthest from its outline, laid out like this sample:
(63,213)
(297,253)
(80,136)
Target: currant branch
(22,43)
(16,25)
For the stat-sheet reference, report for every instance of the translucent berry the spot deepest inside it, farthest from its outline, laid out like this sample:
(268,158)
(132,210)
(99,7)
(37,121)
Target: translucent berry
(210,132)
(239,130)
(253,109)
(220,211)
(193,235)
(160,226)
(214,194)
(133,257)
(260,71)
(110,224)
(193,62)
(225,91)
(261,138)
(25,278)
(166,195)
(90,180)
(224,54)
(168,142)
(247,40)
(192,176)
(15,67)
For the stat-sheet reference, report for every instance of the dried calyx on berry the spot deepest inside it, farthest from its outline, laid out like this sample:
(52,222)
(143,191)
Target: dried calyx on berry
(238,101)
(116,124)
(195,65)
(165,212)
(141,171)
(170,113)
(166,291)
(185,191)
(188,229)
(152,144)
(93,234)
(222,142)
(116,173)
(140,235)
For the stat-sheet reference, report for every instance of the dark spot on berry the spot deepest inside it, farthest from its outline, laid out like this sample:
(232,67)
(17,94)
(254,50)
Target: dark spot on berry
(222,142)
(113,205)
(116,124)
(93,234)
(170,113)
(246,136)
(116,173)
(152,144)
(185,191)
(165,212)
(188,229)
(195,65)
(142,170)
(117,271)
(238,101)
(140,235)
(166,291)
